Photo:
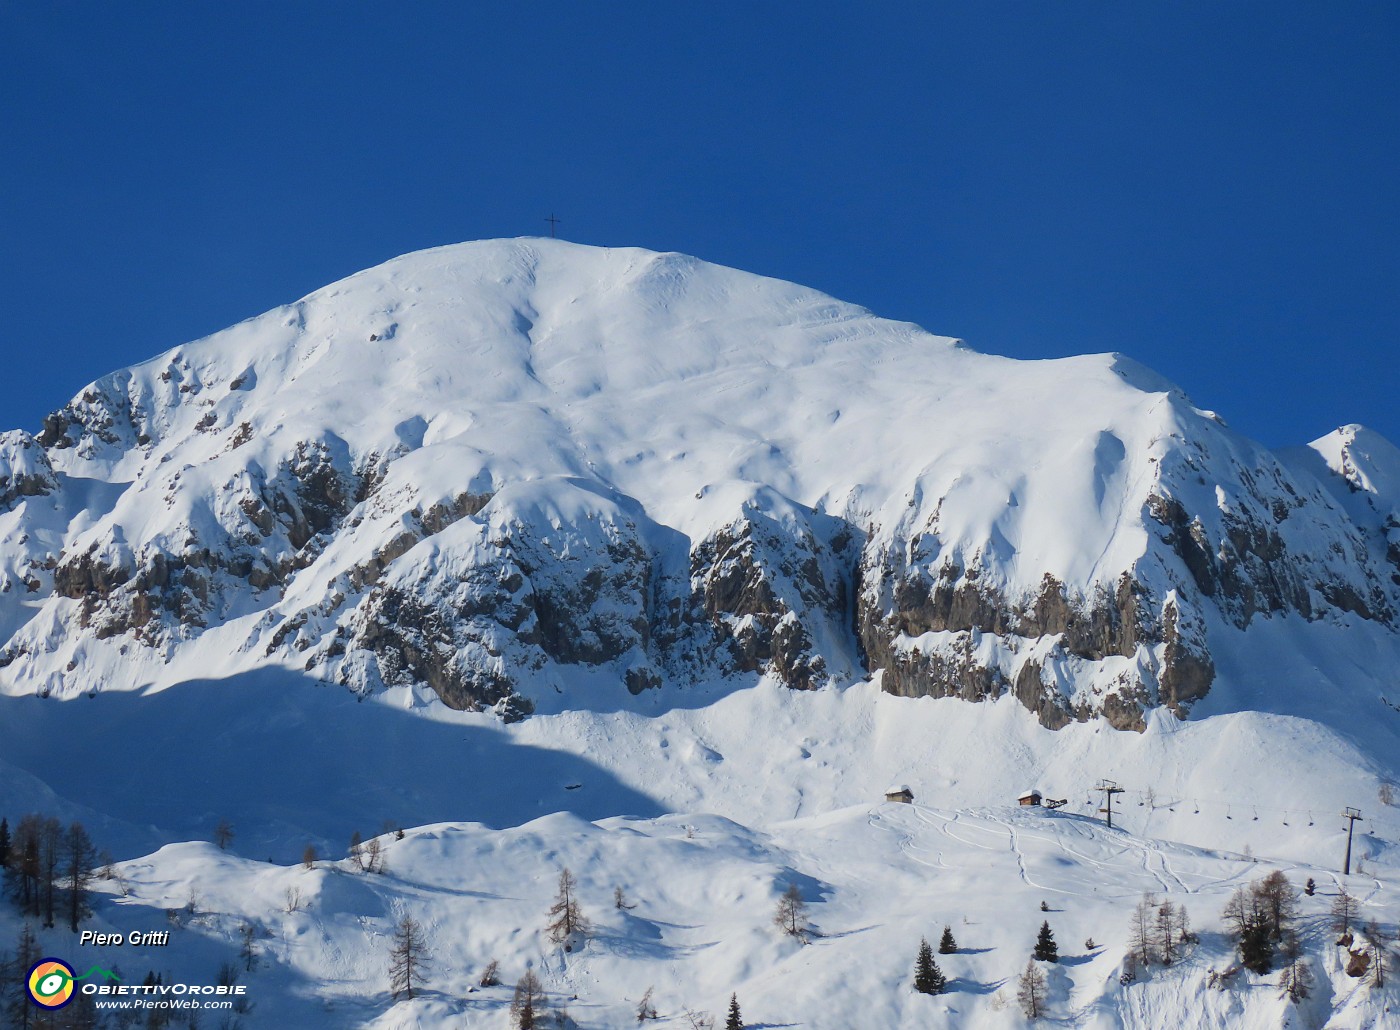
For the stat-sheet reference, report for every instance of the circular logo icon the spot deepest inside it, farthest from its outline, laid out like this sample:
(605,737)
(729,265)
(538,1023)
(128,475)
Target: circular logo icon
(51,983)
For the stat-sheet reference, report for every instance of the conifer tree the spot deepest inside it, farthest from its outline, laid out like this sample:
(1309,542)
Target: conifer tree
(81,1014)
(1343,912)
(223,834)
(79,857)
(50,857)
(1046,950)
(1296,982)
(1031,988)
(1166,933)
(159,1018)
(1378,939)
(735,1020)
(567,918)
(247,934)
(1256,947)
(527,1007)
(19,1012)
(4,843)
(1181,920)
(928,978)
(1278,901)
(946,945)
(1251,927)
(1140,931)
(646,1009)
(923,968)
(408,959)
(372,856)
(792,912)
(24,871)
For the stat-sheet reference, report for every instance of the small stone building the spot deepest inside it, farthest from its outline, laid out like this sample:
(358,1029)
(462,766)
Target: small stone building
(902,794)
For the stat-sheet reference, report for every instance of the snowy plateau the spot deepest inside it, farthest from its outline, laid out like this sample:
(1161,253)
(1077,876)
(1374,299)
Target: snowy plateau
(520,556)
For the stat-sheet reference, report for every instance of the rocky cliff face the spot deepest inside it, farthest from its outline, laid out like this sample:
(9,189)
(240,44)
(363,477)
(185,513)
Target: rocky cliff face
(487,470)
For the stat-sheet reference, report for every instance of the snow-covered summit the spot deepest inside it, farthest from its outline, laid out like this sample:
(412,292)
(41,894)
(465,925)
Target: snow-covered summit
(517,470)
(1368,462)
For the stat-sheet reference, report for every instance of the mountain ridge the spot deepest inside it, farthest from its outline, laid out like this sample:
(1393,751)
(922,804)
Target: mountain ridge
(481,468)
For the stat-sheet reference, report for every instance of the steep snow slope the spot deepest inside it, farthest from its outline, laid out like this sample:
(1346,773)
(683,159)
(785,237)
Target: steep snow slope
(486,467)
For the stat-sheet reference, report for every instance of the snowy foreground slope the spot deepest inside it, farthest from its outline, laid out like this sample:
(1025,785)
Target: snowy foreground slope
(558,556)
(704,816)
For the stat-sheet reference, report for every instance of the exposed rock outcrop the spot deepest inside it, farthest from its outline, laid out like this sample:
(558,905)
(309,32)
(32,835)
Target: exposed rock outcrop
(25,470)
(762,581)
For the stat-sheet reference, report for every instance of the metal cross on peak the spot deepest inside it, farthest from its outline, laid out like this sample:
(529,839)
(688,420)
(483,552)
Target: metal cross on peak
(552,223)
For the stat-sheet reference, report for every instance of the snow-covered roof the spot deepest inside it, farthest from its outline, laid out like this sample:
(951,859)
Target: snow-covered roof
(1032,793)
(899,788)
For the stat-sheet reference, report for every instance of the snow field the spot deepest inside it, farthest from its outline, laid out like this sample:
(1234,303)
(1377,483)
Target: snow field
(703,815)
(704,890)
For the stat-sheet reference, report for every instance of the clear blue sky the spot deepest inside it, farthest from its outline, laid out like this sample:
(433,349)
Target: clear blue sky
(1212,188)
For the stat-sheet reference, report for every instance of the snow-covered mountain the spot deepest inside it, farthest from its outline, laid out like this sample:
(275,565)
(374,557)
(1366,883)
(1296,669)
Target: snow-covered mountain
(482,468)
(663,572)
